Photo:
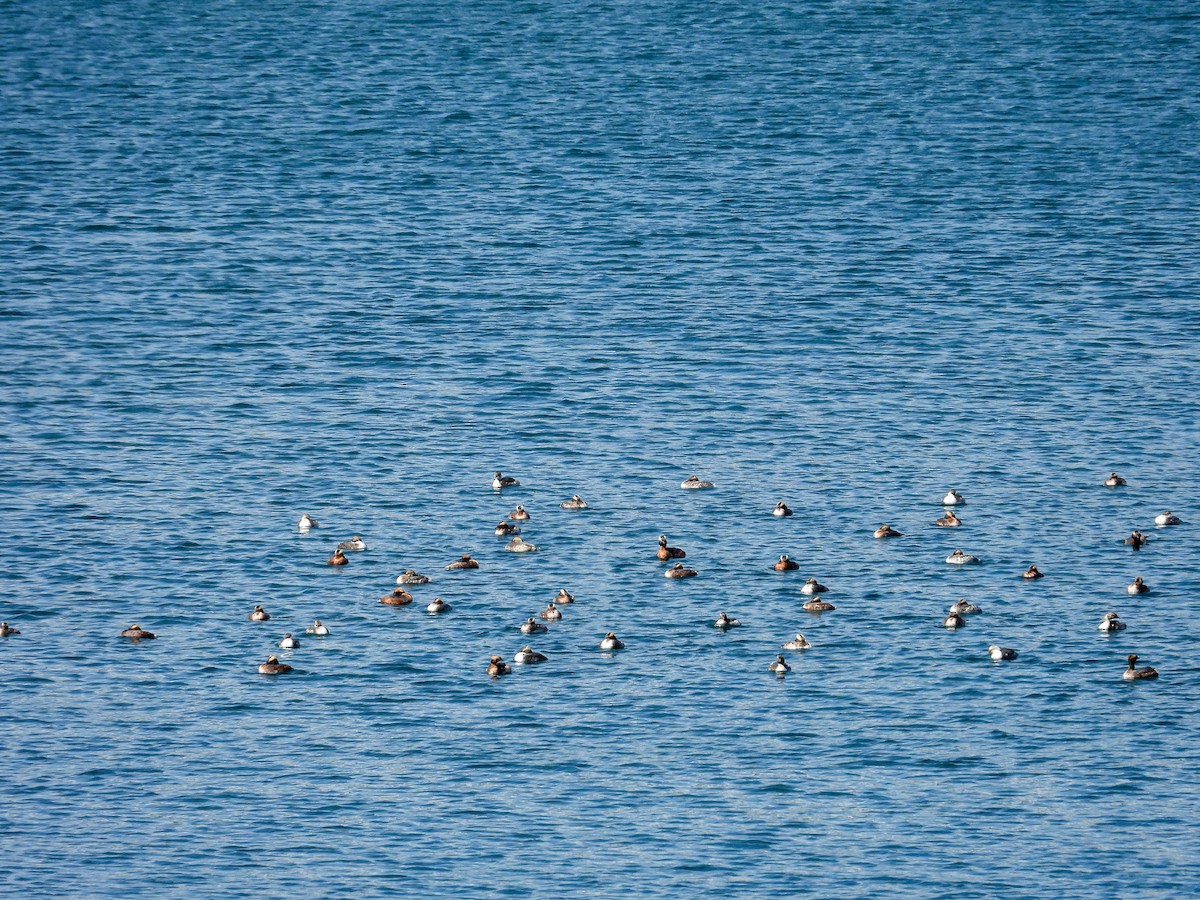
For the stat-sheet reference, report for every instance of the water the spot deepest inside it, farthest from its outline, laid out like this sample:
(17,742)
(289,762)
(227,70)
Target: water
(349,261)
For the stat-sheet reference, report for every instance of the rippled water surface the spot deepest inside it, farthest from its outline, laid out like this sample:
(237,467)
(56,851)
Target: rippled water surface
(260,260)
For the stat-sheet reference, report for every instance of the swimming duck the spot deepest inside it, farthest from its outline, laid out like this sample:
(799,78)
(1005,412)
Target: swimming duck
(1132,674)
(6,629)
(953,498)
(317,628)
(1114,480)
(812,586)
(532,626)
(137,633)
(258,614)
(1138,587)
(1166,518)
(963,608)
(520,545)
(954,620)
(563,596)
(438,605)
(500,481)
(274,667)
(611,642)
(949,520)
(1111,622)
(527,656)
(958,558)
(998,653)
(887,531)
(678,571)
(498,667)
(289,643)
(398,597)
(664,552)
(408,576)
(800,643)
(551,613)
(463,562)
(576,502)
(1136,539)
(1032,572)
(339,558)
(504,529)
(306,522)
(816,604)
(693,482)
(786,564)
(780,666)
(354,543)
(724,622)
(781,509)
(520,514)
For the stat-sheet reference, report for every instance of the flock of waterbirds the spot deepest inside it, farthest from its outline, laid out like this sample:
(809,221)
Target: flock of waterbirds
(812,588)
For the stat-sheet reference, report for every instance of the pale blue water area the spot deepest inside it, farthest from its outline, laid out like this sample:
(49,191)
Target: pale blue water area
(258,260)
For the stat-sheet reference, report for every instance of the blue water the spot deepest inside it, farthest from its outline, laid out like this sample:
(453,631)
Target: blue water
(260,260)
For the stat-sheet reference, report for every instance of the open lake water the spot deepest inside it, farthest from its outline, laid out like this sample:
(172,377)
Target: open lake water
(268,259)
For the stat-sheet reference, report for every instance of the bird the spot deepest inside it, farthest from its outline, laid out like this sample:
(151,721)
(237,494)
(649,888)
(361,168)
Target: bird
(799,643)
(781,509)
(576,502)
(612,642)
(887,531)
(817,605)
(1111,622)
(949,520)
(1133,674)
(354,543)
(398,597)
(678,571)
(780,666)
(1114,480)
(532,626)
(408,576)
(498,667)
(504,529)
(664,552)
(520,514)
(1166,518)
(1136,539)
(289,642)
(724,622)
(317,628)
(1138,587)
(463,562)
(6,629)
(438,605)
(812,586)
(258,614)
(137,633)
(1032,572)
(694,482)
(958,558)
(500,481)
(564,596)
(551,613)
(306,522)
(954,620)
(338,559)
(953,498)
(786,564)
(963,608)
(519,545)
(998,653)
(527,655)
(274,667)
